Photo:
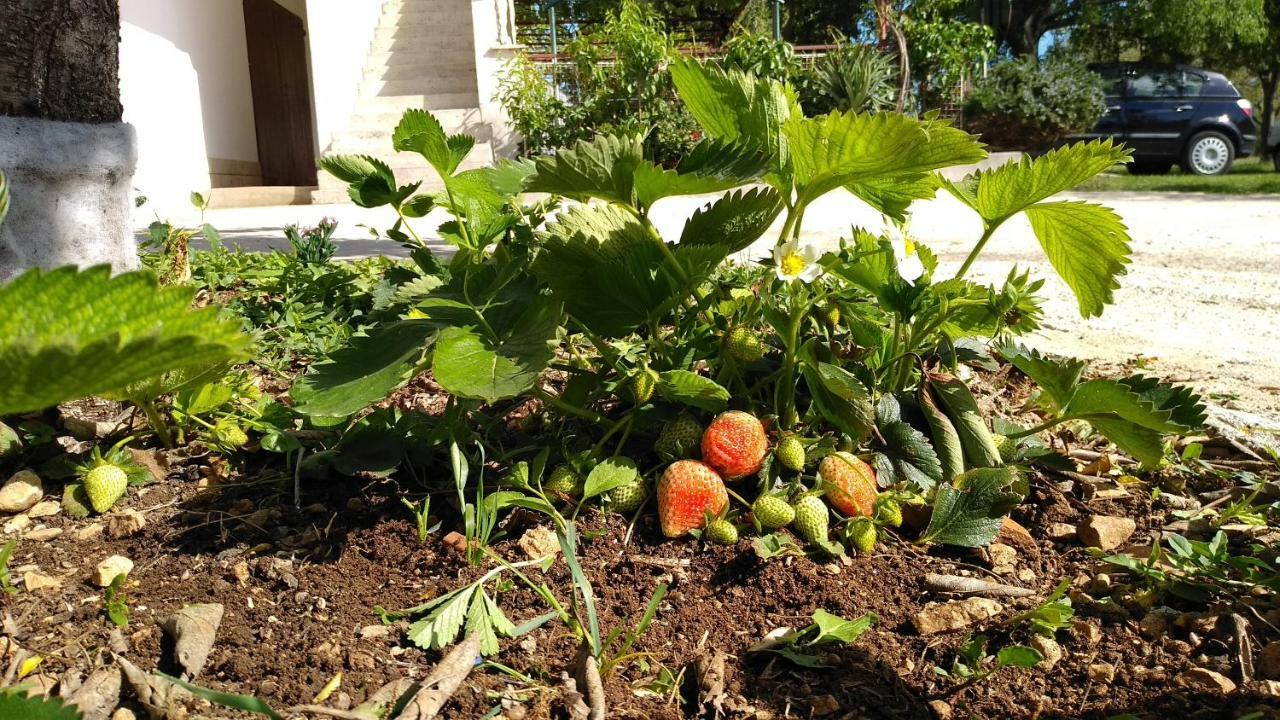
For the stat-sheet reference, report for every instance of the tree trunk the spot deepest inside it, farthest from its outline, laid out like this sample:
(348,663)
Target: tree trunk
(1269,82)
(59,60)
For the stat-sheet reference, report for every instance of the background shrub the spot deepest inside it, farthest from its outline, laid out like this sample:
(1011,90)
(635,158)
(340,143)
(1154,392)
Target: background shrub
(1025,106)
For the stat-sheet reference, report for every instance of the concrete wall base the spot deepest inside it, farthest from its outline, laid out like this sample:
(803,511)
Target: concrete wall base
(70,187)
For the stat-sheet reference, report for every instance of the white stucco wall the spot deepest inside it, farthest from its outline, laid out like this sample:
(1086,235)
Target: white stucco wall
(184,84)
(339,33)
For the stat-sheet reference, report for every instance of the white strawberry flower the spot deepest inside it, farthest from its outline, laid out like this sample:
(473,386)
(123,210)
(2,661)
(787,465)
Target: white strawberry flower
(910,267)
(796,260)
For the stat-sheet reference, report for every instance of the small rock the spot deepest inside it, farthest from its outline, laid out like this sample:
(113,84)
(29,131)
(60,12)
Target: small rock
(1105,532)
(361,661)
(1269,661)
(823,705)
(954,615)
(1085,632)
(1207,681)
(123,714)
(108,569)
(44,534)
(1266,688)
(35,582)
(1102,673)
(1027,575)
(21,492)
(240,571)
(125,523)
(538,542)
(89,532)
(47,508)
(16,524)
(1049,648)
(1002,554)
(941,710)
(1061,532)
(1156,623)
(374,631)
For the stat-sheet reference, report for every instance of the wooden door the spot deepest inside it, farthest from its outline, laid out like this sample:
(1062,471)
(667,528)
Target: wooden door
(281,93)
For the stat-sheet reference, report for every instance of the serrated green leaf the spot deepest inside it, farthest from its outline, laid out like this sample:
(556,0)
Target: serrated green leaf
(711,166)
(1005,191)
(736,107)
(970,511)
(1185,407)
(67,334)
(692,389)
(613,274)
(839,149)
(471,364)
(1115,398)
(1087,245)
(609,474)
(603,167)
(892,196)
(16,705)
(444,619)
(735,220)
(419,131)
(840,397)
(1058,378)
(907,456)
(364,372)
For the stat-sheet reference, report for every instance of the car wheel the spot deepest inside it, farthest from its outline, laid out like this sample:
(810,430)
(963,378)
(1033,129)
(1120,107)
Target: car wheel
(1209,153)
(1148,168)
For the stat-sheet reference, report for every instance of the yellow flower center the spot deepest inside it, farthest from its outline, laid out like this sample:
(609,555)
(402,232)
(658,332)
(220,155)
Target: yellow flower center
(793,264)
(908,246)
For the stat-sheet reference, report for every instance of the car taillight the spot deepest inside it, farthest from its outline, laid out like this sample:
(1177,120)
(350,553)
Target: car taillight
(1246,106)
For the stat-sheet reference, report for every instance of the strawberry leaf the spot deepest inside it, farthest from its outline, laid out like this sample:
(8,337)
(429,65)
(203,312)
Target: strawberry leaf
(1087,245)
(368,369)
(969,511)
(419,131)
(470,362)
(734,221)
(67,333)
(692,389)
(14,703)
(608,475)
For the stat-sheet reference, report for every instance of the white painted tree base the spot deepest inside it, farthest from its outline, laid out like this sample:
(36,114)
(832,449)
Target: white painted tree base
(70,189)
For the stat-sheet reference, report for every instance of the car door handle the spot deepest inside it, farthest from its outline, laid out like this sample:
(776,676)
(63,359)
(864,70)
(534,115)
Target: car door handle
(1184,108)
(1113,108)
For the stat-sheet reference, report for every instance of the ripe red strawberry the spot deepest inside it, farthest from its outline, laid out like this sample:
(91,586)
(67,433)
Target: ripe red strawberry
(850,483)
(687,492)
(735,444)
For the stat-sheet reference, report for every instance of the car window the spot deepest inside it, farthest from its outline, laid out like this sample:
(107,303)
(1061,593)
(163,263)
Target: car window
(1112,84)
(1155,84)
(1192,84)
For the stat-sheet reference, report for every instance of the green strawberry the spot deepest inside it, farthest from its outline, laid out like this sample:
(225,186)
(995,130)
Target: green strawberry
(105,485)
(679,438)
(1006,446)
(229,435)
(642,385)
(812,519)
(888,511)
(790,452)
(829,314)
(721,532)
(772,512)
(626,498)
(744,345)
(565,480)
(862,536)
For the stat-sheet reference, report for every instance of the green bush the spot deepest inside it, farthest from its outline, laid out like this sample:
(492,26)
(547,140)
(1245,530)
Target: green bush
(855,78)
(1025,106)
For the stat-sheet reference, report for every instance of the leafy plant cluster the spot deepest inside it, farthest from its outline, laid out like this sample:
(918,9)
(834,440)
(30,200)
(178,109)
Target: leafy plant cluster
(1026,105)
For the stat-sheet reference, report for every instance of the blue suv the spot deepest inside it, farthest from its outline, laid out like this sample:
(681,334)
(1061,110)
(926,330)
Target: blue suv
(1175,114)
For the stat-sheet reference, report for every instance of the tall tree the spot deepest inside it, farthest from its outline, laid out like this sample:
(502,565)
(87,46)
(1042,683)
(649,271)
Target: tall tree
(1020,24)
(59,59)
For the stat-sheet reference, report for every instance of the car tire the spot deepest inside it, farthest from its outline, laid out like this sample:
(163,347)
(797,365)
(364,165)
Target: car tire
(1148,168)
(1208,153)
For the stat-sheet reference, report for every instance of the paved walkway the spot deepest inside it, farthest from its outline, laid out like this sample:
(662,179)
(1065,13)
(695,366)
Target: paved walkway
(1200,303)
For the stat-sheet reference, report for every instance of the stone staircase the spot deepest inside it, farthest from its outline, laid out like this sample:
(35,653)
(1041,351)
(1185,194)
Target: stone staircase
(422,56)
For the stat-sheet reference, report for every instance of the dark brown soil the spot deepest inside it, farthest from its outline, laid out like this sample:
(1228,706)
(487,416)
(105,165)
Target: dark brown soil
(299,586)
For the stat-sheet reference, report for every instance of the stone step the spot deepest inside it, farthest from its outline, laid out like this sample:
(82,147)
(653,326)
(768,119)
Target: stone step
(445,16)
(453,120)
(419,85)
(429,57)
(440,39)
(399,103)
(411,71)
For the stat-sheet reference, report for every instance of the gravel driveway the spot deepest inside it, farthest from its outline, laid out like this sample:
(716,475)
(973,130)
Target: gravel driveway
(1200,303)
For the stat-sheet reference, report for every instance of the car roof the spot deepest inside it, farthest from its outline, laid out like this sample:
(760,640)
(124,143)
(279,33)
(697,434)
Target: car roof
(1155,66)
